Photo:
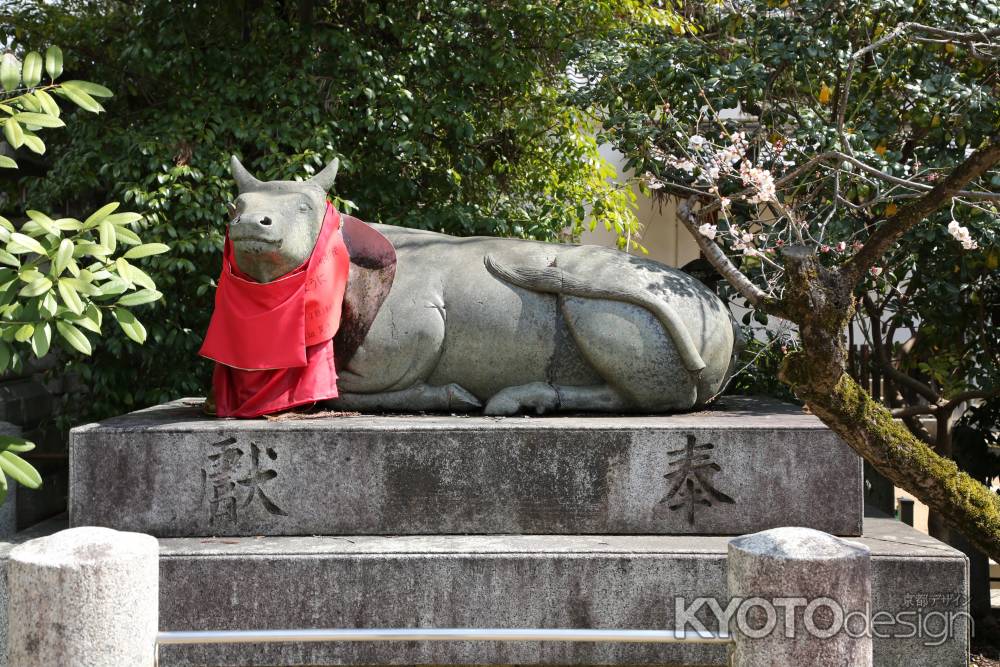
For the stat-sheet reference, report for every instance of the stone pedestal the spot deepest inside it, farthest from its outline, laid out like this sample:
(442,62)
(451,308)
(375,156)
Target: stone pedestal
(743,466)
(566,522)
(83,596)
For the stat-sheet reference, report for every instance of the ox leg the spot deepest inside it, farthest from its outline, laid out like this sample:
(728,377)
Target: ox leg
(419,397)
(542,397)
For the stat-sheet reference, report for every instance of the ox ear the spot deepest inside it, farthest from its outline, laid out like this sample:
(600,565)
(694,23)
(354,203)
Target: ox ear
(325,178)
(245,181)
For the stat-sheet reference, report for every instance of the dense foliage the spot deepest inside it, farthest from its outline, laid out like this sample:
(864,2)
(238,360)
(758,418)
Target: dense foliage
(445,115)
(896,93)
(59,276)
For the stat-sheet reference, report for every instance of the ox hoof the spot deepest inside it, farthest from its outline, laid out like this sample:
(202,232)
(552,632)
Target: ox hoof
(537,396)
(460,399)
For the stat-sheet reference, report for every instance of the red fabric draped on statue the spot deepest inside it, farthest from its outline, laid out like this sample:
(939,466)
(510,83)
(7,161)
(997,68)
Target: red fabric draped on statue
(273,342)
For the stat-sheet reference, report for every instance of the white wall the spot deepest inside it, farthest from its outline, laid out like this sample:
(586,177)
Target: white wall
(665,238)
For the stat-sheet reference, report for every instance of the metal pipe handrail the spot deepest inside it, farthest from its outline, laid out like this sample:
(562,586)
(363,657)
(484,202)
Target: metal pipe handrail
(439,634)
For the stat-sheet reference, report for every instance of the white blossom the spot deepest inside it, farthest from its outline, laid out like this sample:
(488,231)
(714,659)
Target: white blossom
(961,234)
(696,142)
(708,230)
(761,180)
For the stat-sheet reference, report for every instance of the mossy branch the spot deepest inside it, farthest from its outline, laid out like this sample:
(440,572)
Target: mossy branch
(906,461)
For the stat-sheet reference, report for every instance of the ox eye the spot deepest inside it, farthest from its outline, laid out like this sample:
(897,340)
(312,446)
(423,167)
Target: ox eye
(304,207)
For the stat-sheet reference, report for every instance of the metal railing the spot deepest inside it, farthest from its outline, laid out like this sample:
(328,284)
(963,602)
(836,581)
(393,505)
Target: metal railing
(173,638)
(179,638)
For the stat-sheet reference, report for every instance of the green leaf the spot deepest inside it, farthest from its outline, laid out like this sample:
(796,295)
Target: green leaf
(70,297)
(13,443)
(53,62)
(107,234)
(94,314)
(146,250)
(48,306)
(7,163)
(100,214)
(124,218)
(36,288)
(10,72)
(9,259)
(39,119)
(29,274)
(115,286)
(63,256)
(13,133)
(20,470)
(45,222)
(139,298)
(130,325)
(5,223)
(140,277)
(127,236)
(82,286)
(3,488)
(41,339)
(81,99)
(69,224)
(48,104)
(26,242)
(74,336)
(94,89)
(5,354)
(34,144)
(32,69)
(24,333)
(87,320)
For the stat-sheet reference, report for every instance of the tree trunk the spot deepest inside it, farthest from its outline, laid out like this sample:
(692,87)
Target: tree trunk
(909,463)
(820,301)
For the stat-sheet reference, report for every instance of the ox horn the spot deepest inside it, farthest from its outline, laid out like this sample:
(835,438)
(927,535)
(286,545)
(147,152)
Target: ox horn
(245,181)
(325,178)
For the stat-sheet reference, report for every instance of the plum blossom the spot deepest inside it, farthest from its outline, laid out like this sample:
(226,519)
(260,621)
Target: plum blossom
(735,151)
(708,230)
(696,142)
(961,234)
(760,179)
(684,164)
(841,247)
(876,271)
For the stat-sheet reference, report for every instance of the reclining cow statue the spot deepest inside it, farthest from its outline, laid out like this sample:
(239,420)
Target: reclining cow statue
(432,322)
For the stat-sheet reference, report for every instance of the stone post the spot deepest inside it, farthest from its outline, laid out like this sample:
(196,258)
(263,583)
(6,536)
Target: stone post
(84,596)
(806,599)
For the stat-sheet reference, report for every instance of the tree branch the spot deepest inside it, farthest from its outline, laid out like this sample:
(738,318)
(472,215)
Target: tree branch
(916,210)
(882,357)
(713,253)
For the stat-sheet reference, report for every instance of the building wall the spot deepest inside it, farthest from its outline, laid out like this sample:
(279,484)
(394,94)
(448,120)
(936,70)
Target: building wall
(663,236)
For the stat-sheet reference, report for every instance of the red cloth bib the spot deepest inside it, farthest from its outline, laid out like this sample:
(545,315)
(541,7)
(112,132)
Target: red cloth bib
(273,342)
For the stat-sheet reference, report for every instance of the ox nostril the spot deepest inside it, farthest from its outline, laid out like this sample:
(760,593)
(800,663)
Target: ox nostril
(265,221)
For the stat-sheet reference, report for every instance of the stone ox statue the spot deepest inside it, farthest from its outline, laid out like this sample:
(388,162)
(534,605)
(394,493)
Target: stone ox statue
(438,323)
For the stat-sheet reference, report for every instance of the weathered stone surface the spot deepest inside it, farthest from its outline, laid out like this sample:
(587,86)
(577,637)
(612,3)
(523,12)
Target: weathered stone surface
(746,465)
(803,584)
(510,582)
(495,581)
(83,596)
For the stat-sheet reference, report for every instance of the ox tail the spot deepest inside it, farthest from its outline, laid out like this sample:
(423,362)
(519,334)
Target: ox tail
(554,280)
